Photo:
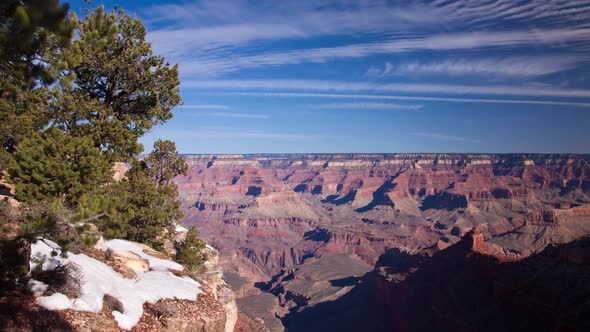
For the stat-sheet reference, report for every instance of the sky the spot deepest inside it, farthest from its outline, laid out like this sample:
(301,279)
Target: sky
(373,76)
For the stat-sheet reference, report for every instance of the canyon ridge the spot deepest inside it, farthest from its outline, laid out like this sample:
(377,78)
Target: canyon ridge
(303,236)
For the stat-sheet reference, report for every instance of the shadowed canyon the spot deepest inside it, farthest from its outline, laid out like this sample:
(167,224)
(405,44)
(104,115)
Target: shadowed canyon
(310,237)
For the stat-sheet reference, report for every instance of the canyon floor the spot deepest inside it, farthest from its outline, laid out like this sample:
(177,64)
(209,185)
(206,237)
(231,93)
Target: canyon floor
(300,235)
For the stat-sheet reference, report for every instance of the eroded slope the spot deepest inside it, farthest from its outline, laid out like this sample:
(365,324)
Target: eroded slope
(270,213)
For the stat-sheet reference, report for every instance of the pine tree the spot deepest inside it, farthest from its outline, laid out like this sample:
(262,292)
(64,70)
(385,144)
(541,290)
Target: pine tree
(53,165)
(68,109)
(164,163)
(191,251)
(110,91)
(112,204)
(154,209)
(31,34)
(115,89)
(152,194)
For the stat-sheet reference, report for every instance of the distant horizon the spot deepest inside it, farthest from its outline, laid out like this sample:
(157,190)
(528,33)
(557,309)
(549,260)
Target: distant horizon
(385,153)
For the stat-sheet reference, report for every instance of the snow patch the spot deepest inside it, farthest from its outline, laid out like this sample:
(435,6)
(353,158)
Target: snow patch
(47,256)
(99,279)
(181,229)
(55,301)
(156,264)
(36,287)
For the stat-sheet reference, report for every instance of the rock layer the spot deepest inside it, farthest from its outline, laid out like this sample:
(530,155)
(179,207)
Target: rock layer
(268,214)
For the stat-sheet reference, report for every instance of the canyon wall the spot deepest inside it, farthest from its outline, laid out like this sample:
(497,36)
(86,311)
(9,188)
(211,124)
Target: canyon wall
(273,215)
(473,286)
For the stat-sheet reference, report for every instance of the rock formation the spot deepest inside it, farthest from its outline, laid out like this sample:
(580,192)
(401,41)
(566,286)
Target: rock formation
(474,286)
(271,214)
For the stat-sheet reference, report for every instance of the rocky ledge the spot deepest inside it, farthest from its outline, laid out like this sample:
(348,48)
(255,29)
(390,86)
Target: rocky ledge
(119,285)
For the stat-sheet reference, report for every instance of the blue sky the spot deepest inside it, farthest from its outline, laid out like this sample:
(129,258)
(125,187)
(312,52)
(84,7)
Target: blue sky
(374,76)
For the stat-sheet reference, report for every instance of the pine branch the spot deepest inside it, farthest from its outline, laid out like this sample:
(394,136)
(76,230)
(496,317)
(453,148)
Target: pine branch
(96,217)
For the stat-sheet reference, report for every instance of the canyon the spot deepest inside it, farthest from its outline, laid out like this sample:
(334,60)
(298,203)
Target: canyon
(307,236)
(470,286)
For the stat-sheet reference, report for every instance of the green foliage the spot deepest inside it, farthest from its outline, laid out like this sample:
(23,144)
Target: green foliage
(37,219)
(32,33)
(164,163)
(142,206)
(89,240)
(112,203)
(22,113)
(54,165)
(111,90)
(191,252)
(155,207)
(47,219)
(120,89)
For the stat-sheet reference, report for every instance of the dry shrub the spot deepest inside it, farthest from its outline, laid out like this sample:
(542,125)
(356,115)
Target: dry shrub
(65,279)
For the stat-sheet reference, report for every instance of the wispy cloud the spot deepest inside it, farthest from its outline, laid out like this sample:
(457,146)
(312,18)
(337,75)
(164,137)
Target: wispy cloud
(230,133)
(326,86)
(214,107)
(203,107)
(394,97)
(236,115)
(369,106)
(375,71)
(224,62)
(229,23)
(478,12)
(525,52)
(446,137)
(185,41)
(215,37)
(508,66)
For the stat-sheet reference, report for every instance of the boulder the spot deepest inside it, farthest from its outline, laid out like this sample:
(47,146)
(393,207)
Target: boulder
(128,260)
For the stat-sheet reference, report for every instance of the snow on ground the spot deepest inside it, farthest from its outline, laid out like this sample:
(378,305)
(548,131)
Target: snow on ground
(55,301)
(180,229)
(156,264)
(36,287)
(100,279)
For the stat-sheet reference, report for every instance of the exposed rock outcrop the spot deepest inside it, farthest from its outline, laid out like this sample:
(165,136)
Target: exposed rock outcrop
(127,260)
(119,171)
(212,278)
(474,286)
(7,191)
